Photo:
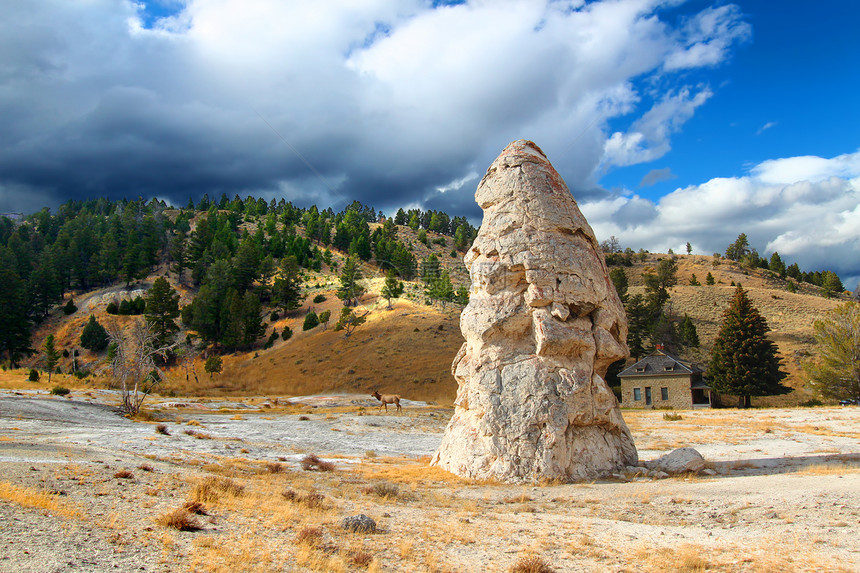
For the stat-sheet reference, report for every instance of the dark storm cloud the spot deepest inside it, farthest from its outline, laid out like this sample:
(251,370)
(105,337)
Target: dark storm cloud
(390,103)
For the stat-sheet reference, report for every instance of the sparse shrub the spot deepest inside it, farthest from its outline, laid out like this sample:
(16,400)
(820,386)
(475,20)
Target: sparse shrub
(81,374)
(287,333)
(180,520)
(533,564)
(309,536)
(370,454)
(274,468)
(123,474)
(112,308)
(311,462)
(211,489)
(303,418)
(360,558)
(94,337)
(672,417)
(59,391)
(195,507)
(34,375)
(145,468)
(275,316)
(162,429)
(311,500)
(319,298)
(384,490)
(814,402)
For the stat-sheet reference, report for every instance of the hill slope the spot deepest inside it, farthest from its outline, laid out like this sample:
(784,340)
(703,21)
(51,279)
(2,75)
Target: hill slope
(409,349)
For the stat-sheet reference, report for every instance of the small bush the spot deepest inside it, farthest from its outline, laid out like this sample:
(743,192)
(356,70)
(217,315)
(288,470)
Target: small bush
(180,520)
(162,429)
(814,402)
(275,316)
(311,500)
(309,536)
(145,468)
(70,307)
(287,333)
(195,507)
(112,308)
(274,468)
(319,298)
(311,463)
(531,564)
(123,474)
(672,417)
(360,558)
(311,321)
(34,375)
(384,490)
(59,391)
(212,488)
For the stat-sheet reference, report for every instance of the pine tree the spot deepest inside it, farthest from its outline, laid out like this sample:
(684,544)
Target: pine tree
(744,362)
(835,372)
(52,356)
(349,321)
(14,323)
(709,280)
(619,280)
(311,321)
(162,310)
(392,287)
(287,289)
(94,336)
(350,290)
(831,284)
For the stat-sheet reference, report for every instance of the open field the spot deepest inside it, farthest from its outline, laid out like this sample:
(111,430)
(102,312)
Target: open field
(84,489)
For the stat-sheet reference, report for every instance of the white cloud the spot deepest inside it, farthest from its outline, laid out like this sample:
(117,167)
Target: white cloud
(648,138)
(806,208)
(395,99)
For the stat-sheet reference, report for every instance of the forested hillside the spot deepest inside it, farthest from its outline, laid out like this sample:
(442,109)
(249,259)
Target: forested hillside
(238,278)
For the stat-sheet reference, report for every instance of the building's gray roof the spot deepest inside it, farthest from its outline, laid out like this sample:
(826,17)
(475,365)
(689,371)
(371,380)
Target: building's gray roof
(660,363)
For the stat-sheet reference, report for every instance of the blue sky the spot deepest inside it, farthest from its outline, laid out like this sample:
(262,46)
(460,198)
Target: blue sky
(671,121)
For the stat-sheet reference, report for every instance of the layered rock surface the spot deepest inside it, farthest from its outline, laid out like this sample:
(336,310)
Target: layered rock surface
(542,326)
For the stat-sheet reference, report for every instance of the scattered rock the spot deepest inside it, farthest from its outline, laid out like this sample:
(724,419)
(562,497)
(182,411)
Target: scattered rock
(659,475)
(542,326)
(358,523)
(679,461)
(708,472)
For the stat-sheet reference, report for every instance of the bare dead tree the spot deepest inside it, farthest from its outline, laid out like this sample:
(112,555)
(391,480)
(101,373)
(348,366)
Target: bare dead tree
(133,362)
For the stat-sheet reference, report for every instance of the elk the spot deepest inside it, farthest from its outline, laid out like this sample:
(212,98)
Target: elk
(387,399)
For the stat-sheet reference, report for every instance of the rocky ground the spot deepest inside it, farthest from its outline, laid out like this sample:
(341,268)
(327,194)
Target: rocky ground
(85,489)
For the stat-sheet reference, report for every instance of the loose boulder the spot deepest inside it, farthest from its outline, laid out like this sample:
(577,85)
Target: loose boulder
(679,461)
(542,326)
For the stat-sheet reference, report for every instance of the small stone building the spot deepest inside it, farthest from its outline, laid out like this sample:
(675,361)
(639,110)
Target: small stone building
(661,380)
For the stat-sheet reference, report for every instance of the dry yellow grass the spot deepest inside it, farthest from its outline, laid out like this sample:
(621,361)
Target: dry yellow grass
(34,498)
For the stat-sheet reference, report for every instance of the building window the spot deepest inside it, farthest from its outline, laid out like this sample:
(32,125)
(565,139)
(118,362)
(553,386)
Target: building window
(637,394)
(640,369)
(647,396)
(664,393)
(669,368)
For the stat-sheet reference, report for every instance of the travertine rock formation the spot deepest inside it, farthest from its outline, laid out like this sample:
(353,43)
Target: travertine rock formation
(542,325)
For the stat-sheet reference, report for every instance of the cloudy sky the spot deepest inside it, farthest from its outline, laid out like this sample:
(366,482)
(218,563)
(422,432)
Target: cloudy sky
(671,121)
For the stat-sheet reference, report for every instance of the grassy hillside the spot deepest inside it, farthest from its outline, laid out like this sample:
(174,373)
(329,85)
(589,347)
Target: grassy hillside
(409,349)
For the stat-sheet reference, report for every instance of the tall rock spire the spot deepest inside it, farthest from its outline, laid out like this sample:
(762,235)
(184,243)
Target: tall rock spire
(542,326)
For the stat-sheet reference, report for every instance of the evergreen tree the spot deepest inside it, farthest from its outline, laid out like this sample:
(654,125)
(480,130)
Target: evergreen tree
(392,287)
(835,372)
(709,280)
(94,336)
(349,321)
(350,290)
(831,285)
(637,325)
(287,289)
(52,356)
(311,321)
(213,365)
(776,265)
(694,281)
(619,280)
(162,310)
(14,322)
(744,362)
(324,317)
(737,250)
(688,334)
